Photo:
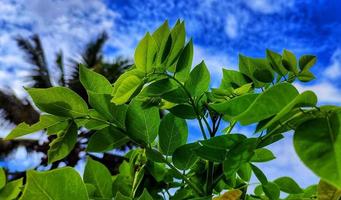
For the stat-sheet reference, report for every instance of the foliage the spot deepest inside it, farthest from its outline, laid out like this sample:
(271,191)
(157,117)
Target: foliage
(221,163)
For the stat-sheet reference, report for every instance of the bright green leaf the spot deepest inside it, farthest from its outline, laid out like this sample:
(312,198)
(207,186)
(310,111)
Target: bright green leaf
(126,89)
(2,178)
(289,61)
(199,80)
(184,64)
(305,76)
(145,54)
(275,61)
(178,36)
(93,81)
(234,79)
(262,155)
(306,62)
(11,190)
(288,185)
(145,195)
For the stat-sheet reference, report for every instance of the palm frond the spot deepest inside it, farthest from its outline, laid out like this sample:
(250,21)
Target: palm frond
(60,65)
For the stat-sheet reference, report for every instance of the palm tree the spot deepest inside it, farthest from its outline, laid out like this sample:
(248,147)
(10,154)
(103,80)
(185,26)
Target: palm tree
(16,110)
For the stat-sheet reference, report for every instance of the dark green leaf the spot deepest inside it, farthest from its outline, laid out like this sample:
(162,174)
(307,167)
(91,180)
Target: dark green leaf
(178,36)
(173,133)
(271,190)
(184,157)
(288,185)
(184,111)
(289,61)
(145,195)
(63,144)
(159,87)
(245,172)
(234,79)
(262,155)
(59,101)
(176,96)
(305,76)
(184,64)
(142,124)
(275,61)
(306,62)
(97,174)
(259,174)
(59,184)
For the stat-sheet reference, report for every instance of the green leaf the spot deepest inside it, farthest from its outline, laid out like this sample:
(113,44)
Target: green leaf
(93,81)
(275,61)
(288,185)
(106,139)
(45,121)
(11,190)
(159,87)
(124,89)
(306,62)
(145,195)
(262,155)
(263,75)
(154,155)
(184,156)
(97,174)
(234,79)
(199,80)
(268,103)
(142,123)
(326,191)
(271,190)
(163,40)
(173,133)
(178,36)
(305,76)
(90,189)
(120,196)
(289,61)
(60,101)
(211,154)
(259,174)
(2,178)
(184,64)
(224,142)
(245,172)
(318,143)
(176,96)
(63,144)
(145,54)
(102,104)
(184,111)
(306,99)
(59,184)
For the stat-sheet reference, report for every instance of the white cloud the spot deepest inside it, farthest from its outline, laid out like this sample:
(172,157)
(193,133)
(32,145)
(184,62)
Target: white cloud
(333,71)
(235,23)
(268,6)
(325,91)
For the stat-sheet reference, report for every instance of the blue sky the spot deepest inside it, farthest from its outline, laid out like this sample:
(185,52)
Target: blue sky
(220,31)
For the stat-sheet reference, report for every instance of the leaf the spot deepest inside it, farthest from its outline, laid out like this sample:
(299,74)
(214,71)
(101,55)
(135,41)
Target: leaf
(199,80)
(326,191)
(178,36)
(142,124)
(318,144)
(288,185)
(271,190)
(154,155)
(120,196)
(275,61)
(93,81)
(224,142)
(234,79)
(184,64)
(259,174)
(102,104)
(59,184)
(11,190)
(268,103)
(306,99)
(305,76)
(306,62)
(163,40)
(126,89)
(159,87)
(262,155)
(176,96)
(173,133)
(97,174)
(245,172)
(184,156)
(211,154)
(2,178)
(106,139)
(263,75)
(145,195)
(184,111)
(60,101)
(63,144)
(230,195)
(90,189)
(145,54)
(289,61)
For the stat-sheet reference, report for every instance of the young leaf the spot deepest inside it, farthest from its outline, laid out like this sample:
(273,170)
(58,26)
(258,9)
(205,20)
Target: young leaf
(268,103)
(63,183)
(11,190)
(45,121)
(199,80)
(106,139)
(288,185)
(142,124)
(93,81)
(289,61)
(262,155)
(184,156)
(145,195)
(275,61)
(178,36)
(306,62)
(2,178)
(97,174)
(60,101)
(305,76)
(271,190)
(126,89)
(184,64)
(318,143)
(173,133)
(163,40)
(145,54)
(234,79)
(63,144)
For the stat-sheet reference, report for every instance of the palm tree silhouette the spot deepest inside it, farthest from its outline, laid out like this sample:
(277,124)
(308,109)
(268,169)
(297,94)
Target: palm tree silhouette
(16,110)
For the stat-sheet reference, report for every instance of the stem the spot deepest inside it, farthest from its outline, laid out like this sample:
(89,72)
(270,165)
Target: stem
(209,179)
(229,129)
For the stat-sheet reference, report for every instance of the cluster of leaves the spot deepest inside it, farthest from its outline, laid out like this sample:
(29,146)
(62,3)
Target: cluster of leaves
(149,105)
